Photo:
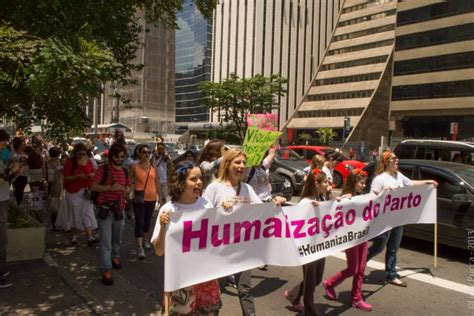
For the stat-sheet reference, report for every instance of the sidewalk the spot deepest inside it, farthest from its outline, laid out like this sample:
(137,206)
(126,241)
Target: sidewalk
(68,281)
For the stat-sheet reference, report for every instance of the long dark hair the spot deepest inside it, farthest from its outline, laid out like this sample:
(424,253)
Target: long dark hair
(309,188)
(178,179)
(77,148)
(352,179)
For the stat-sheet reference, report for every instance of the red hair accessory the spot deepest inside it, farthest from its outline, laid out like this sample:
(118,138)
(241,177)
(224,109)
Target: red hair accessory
(315,172)
(386,156)
(360,172)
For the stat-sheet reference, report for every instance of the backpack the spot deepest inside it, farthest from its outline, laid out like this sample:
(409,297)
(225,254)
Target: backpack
(105,175)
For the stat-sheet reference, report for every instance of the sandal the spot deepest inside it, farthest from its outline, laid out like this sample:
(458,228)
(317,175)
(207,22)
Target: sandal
(397,282)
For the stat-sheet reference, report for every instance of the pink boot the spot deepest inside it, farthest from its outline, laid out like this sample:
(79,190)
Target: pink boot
(362,305)
(330,292)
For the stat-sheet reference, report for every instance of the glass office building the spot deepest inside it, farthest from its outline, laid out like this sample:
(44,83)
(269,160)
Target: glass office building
(193,63)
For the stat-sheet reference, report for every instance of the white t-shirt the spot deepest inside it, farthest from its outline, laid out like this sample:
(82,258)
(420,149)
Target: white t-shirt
(218,192)
(260,180)
(171,207)
(161,166)
(328,173)
(384,180)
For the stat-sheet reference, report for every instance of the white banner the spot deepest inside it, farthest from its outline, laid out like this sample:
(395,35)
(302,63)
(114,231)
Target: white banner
(208,244)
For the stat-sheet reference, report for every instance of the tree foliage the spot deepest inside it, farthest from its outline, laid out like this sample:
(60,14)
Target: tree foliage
(55,54)
(236,97)
(325,135)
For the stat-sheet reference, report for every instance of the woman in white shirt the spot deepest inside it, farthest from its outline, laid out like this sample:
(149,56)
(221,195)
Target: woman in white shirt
(388,177)
(230,190)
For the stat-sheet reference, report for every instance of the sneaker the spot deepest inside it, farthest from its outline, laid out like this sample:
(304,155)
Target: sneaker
(263,268)
(362,305)
(330,292)
(230,281)
(4,284)
(116,263)
(141,253)
(73,241)
(92,240)
(4,275)
(296,307)
(146,244)
(107,278)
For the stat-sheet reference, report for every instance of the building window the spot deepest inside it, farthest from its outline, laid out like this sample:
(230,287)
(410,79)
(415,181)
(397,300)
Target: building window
(360,47)
(434,11)
(367,18)
(356,78)
(435,37)
(365,6)
(340,95)
(355,63)
(433,64)
(463,88)
(375,30)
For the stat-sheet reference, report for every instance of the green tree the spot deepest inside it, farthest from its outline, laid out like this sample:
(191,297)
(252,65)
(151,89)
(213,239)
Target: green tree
(55,55)
(236,97)
(304,137)
(325,135)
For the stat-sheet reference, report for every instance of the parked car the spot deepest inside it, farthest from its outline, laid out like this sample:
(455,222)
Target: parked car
(455,199)
(290,165)
(444,150)
(281,186)
(341,171)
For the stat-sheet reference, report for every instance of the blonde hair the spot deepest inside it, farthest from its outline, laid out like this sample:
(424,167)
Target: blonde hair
(317,161)
(227,159)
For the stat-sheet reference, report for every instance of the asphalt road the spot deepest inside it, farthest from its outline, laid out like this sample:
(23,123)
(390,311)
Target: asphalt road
(431,291)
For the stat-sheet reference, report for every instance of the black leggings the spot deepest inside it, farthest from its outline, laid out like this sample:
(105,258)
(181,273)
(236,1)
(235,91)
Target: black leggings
(143,214)
(19,188)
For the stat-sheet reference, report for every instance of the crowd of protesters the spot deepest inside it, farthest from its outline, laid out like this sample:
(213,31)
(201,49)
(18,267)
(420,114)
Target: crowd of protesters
(82,190)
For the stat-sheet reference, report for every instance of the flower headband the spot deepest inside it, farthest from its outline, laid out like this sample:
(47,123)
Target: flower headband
(360,172)
(386,156)
(315,172)
(184,167)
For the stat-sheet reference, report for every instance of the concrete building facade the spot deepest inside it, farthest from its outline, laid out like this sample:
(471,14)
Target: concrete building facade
(433,71)
(285,37)
(151,101)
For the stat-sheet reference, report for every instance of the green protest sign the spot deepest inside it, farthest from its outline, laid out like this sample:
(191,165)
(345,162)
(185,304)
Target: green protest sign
(256,143)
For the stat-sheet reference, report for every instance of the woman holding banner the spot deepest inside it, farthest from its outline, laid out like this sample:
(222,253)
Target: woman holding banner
(388,177)
(227,191)
(356,256)
(185,191)
(316,188)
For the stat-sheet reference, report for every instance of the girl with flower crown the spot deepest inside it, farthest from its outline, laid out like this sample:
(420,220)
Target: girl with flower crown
(317,188)
(185,191)
(356,256)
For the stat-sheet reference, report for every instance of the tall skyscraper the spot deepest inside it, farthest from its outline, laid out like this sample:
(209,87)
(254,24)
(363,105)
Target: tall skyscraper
(433,74)
(193,63)
(151,101)
(286,37)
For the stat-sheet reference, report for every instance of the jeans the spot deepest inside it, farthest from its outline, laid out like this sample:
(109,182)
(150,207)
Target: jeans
(143,214)
(312,276)
(356,263)
(110,239)
(391,240)
(3,235)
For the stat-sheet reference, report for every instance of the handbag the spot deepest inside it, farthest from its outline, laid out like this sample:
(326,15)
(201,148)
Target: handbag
(139,195)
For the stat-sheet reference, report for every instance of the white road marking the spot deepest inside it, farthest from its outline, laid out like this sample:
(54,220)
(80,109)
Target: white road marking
(415,275)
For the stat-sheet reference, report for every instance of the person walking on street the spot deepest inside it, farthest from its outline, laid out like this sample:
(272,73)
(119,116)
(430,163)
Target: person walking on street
(19,156)
(388,177)
(146,185)
(356,256)
(113,184)
(316,188)
(164,166)
(77,211)
(185,192)
(4,200)
(210,159)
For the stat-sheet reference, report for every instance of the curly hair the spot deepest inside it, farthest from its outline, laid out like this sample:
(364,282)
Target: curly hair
(177,181)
